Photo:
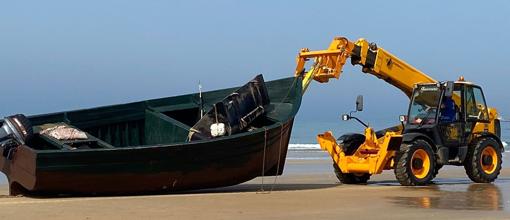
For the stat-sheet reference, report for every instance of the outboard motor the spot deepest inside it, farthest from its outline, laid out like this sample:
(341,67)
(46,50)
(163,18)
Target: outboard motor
(15,131)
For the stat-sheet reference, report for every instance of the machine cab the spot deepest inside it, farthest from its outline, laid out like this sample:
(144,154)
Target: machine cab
(446,112)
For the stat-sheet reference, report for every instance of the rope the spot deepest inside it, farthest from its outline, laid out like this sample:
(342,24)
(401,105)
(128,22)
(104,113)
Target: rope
(216,114)
(279,158)
(263,162)
(279,150)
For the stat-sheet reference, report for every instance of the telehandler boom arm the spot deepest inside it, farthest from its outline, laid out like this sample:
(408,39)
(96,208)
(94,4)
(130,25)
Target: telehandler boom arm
(374,60)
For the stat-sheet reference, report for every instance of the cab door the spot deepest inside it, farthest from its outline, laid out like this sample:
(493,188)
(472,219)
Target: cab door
(475,109)
(452,130)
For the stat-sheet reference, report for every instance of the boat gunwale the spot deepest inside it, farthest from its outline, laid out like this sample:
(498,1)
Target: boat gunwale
(145,102)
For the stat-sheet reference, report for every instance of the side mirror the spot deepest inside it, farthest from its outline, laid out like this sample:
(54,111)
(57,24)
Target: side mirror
(448,92)
(345,117)
(402,118)
(359,103)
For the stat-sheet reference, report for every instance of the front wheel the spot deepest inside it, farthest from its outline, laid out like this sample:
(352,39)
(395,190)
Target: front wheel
(351,178)
(483,160)
(416,164)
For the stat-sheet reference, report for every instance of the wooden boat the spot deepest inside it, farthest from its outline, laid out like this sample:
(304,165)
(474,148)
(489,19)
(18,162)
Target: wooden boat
(143,147)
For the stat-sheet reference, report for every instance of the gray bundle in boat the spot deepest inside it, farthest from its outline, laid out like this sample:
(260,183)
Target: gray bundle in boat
(63,132)
(233,114)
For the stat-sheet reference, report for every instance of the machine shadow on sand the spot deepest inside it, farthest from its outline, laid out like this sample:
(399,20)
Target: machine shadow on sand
(454,196)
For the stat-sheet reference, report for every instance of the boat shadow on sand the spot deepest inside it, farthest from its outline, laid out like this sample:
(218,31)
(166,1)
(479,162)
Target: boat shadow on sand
(267,188)
(242,188)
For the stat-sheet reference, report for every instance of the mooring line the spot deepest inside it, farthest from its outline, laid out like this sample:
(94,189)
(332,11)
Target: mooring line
(263,162)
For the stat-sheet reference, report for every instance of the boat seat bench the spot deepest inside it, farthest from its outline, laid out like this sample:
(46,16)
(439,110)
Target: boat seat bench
(89,143)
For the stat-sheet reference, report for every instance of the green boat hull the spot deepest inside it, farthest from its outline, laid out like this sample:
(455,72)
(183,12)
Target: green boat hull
(142,147)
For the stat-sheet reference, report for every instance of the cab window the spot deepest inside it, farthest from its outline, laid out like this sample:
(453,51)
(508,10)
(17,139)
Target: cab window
(476,109)
(424,103)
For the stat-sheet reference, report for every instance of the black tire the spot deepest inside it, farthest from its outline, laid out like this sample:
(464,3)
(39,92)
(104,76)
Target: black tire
(350,142)
(406,164)
(350,178)
(436,170)
(474,160)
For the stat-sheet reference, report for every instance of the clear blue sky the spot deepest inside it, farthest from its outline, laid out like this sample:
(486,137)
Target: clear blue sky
(63,55)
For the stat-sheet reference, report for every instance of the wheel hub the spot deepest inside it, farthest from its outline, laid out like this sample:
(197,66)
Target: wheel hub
(417,163)
(489,159)
(420,164)
(486,160)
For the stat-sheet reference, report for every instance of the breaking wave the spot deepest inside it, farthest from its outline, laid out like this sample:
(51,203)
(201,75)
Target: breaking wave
(317,147)
(304,147)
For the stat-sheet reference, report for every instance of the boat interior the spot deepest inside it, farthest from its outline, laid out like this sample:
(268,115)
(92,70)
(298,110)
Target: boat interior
(135,124)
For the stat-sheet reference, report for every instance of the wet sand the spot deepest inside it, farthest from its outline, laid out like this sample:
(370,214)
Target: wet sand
(307,190)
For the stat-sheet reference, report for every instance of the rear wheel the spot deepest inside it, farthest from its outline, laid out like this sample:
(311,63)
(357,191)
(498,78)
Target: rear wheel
(436,171)
(483,160)
(416,164)
(351,178)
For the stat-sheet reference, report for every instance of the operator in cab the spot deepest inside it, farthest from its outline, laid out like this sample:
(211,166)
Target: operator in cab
(448,111)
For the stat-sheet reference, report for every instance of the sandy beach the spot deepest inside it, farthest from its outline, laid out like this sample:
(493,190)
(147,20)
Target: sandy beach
(307,190)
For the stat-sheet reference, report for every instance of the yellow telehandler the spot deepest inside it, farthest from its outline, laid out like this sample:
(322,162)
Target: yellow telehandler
(447,123)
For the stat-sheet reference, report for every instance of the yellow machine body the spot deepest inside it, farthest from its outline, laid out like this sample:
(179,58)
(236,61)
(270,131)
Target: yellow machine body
(374,155)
